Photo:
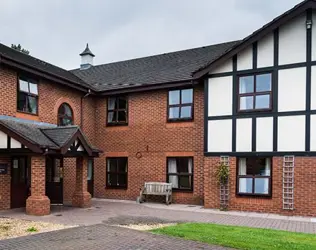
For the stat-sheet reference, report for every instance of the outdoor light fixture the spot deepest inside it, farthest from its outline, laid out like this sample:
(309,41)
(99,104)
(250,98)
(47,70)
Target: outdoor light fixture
(309,24)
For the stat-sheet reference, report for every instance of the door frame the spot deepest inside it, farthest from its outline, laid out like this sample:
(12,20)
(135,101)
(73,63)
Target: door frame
(51,184)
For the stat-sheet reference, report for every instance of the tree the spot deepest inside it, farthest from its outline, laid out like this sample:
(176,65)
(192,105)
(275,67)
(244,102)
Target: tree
(19,48)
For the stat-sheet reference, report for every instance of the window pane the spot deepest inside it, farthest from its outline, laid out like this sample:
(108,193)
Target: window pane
(263,83)
(111,166)
(174,180)
(90,166)
(246,102)
(245,185)
(187,96)
(183,166)
(122,103)
(112,179)
(173,113)
(33,88)
(122,116)
(185,182)
(122,165)
(112,116)
(122,180)
(67,110)
(32,104)
(186,112)
(22,102)
(65,121)
(24,86)
(246,84)
(174,97)
(111,103)
(262,101)
(255,166)
(262,185)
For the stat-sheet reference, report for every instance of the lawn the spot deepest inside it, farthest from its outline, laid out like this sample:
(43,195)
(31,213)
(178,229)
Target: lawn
(240,237)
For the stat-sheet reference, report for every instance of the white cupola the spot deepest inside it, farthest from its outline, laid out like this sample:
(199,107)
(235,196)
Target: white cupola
(86,58)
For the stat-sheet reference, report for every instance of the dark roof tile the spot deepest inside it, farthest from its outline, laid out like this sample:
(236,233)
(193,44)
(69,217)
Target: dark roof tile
(170,67)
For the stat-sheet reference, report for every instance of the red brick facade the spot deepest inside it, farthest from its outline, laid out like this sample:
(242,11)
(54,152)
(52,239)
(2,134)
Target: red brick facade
(150,137)
(304,188)
(149,134)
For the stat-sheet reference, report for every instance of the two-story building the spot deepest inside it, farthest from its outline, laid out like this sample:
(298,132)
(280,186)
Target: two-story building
(104,130)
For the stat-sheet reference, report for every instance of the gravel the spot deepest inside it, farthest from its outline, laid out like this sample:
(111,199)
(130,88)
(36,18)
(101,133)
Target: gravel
(11,228)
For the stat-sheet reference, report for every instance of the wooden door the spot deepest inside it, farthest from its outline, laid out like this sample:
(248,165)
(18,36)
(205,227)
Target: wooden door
(90,176)
(20,173)
(54,180)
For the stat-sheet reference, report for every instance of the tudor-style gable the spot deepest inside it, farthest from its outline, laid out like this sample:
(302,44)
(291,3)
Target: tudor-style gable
(261,97)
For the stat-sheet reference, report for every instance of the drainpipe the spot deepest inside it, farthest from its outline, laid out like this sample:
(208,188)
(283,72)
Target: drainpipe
(81,107)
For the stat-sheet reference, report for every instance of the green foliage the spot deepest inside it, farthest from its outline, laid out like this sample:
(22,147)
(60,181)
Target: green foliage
(241,237)
(19,48)
(222,174)
(32,229)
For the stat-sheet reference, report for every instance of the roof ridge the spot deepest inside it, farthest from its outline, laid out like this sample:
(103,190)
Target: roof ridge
(160,54)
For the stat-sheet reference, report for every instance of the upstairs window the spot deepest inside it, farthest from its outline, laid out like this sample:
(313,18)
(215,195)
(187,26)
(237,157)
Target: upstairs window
(254,176)
(27,96)
(117,111)
(255,92)
(65,115)
(180,105)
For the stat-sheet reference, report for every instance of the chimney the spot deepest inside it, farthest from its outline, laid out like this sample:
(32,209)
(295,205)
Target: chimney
(86,58)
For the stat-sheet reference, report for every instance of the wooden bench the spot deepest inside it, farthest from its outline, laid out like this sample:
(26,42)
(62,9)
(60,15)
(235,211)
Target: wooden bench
(156,188)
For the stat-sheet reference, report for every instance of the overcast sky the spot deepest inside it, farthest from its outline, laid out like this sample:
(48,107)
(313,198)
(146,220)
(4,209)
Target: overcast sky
(58,30)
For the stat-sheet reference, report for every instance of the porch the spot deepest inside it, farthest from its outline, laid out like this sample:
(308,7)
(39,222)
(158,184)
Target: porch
(37,160)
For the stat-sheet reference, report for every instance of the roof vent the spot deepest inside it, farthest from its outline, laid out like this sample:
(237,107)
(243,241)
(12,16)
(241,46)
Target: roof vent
(86,58)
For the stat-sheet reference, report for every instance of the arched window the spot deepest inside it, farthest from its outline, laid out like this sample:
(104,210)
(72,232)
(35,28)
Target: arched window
(65,115)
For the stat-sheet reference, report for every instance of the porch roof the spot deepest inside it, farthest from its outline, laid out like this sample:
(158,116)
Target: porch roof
(45,138)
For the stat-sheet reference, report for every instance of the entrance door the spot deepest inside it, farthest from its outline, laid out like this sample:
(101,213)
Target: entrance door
(90,176)
(54,180)
(19,182)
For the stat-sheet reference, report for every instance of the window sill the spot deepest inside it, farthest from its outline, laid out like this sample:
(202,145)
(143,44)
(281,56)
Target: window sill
(178,190)
(115,188)
(26,115)
(260,196)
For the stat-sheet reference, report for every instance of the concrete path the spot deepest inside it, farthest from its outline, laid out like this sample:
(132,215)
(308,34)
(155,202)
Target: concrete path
(100,237)
(128,212)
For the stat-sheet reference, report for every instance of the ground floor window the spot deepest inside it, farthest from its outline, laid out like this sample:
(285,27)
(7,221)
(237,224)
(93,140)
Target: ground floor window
(254,176)
(116,172)
(180,172)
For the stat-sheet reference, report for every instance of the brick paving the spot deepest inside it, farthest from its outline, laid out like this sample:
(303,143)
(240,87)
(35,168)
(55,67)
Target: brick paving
(97,229)
(101,236)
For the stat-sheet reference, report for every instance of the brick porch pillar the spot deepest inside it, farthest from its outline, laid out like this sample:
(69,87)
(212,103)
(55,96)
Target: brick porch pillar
(38,203)
(81,197)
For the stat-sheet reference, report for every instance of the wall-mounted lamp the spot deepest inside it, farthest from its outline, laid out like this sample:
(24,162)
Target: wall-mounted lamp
(309,24)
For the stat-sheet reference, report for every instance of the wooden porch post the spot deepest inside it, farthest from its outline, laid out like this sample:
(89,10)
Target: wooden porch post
(38,203)
(81,197)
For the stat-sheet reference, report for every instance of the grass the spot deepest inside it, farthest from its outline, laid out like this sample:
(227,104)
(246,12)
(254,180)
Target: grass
(32,229)
(240,237)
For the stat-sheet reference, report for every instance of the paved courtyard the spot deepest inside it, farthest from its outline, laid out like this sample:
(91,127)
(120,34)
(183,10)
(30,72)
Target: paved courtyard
(97,225)
(100,237)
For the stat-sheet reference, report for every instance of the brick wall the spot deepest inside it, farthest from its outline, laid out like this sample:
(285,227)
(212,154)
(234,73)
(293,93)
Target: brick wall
(304,188)
(5,185)
(150,134)
(51,96)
